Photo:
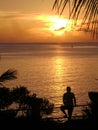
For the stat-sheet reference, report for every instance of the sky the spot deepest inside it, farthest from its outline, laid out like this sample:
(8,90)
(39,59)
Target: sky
(34,21)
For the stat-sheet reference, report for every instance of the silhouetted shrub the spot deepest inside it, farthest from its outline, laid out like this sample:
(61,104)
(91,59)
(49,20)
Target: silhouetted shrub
(5,98)
(25,105)
(92,111)
(21,100)
(47,106)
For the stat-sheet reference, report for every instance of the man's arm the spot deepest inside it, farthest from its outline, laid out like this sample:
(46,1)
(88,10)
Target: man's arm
(74,101)
(64,99)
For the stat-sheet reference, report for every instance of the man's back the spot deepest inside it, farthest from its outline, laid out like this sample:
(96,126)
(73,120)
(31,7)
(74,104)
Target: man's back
(68,99)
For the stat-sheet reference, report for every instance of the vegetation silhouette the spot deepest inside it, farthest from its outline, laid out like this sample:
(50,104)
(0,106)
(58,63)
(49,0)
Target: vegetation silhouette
(19,104)
(91,112)
(10,74)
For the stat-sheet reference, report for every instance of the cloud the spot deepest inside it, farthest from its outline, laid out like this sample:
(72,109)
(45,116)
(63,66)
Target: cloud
(19,26)
(8,15)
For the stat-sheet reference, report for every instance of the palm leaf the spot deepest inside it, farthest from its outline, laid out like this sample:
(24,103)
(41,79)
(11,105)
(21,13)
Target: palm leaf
(8,75)
(89,9)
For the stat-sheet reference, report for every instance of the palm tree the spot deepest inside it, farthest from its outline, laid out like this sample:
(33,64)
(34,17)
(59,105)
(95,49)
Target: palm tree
(8,75)
(87,7)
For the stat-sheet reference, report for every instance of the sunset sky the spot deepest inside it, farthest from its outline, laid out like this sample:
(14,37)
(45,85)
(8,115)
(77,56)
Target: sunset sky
(35,21)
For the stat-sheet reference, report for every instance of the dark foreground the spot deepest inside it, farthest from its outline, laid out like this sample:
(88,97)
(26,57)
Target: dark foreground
(46,124)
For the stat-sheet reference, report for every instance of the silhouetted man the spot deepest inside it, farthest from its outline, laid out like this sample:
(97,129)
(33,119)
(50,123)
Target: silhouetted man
(69,102)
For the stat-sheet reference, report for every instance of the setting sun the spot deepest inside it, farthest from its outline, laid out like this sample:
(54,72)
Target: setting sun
(60,25)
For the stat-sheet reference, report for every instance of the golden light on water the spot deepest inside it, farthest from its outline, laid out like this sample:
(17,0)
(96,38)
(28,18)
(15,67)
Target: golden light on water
(58,68)
(59,62)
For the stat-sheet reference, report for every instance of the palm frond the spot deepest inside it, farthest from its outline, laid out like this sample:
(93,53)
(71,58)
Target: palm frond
(8,75)
(86,9)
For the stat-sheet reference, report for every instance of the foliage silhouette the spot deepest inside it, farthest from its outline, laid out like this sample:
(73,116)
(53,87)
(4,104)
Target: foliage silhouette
(91,112)
(18,102)
(10,74)
(5,98)
(25,105)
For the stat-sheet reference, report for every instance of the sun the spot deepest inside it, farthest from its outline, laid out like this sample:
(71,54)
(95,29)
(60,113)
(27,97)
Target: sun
(60,25)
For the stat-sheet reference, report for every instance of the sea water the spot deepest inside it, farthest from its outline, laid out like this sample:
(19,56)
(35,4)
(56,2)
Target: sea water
(47,68)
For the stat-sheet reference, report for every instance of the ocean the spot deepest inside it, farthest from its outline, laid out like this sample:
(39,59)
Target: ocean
(47,68)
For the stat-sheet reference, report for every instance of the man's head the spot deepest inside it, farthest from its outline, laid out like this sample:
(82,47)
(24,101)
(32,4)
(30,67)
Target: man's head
(68,88)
